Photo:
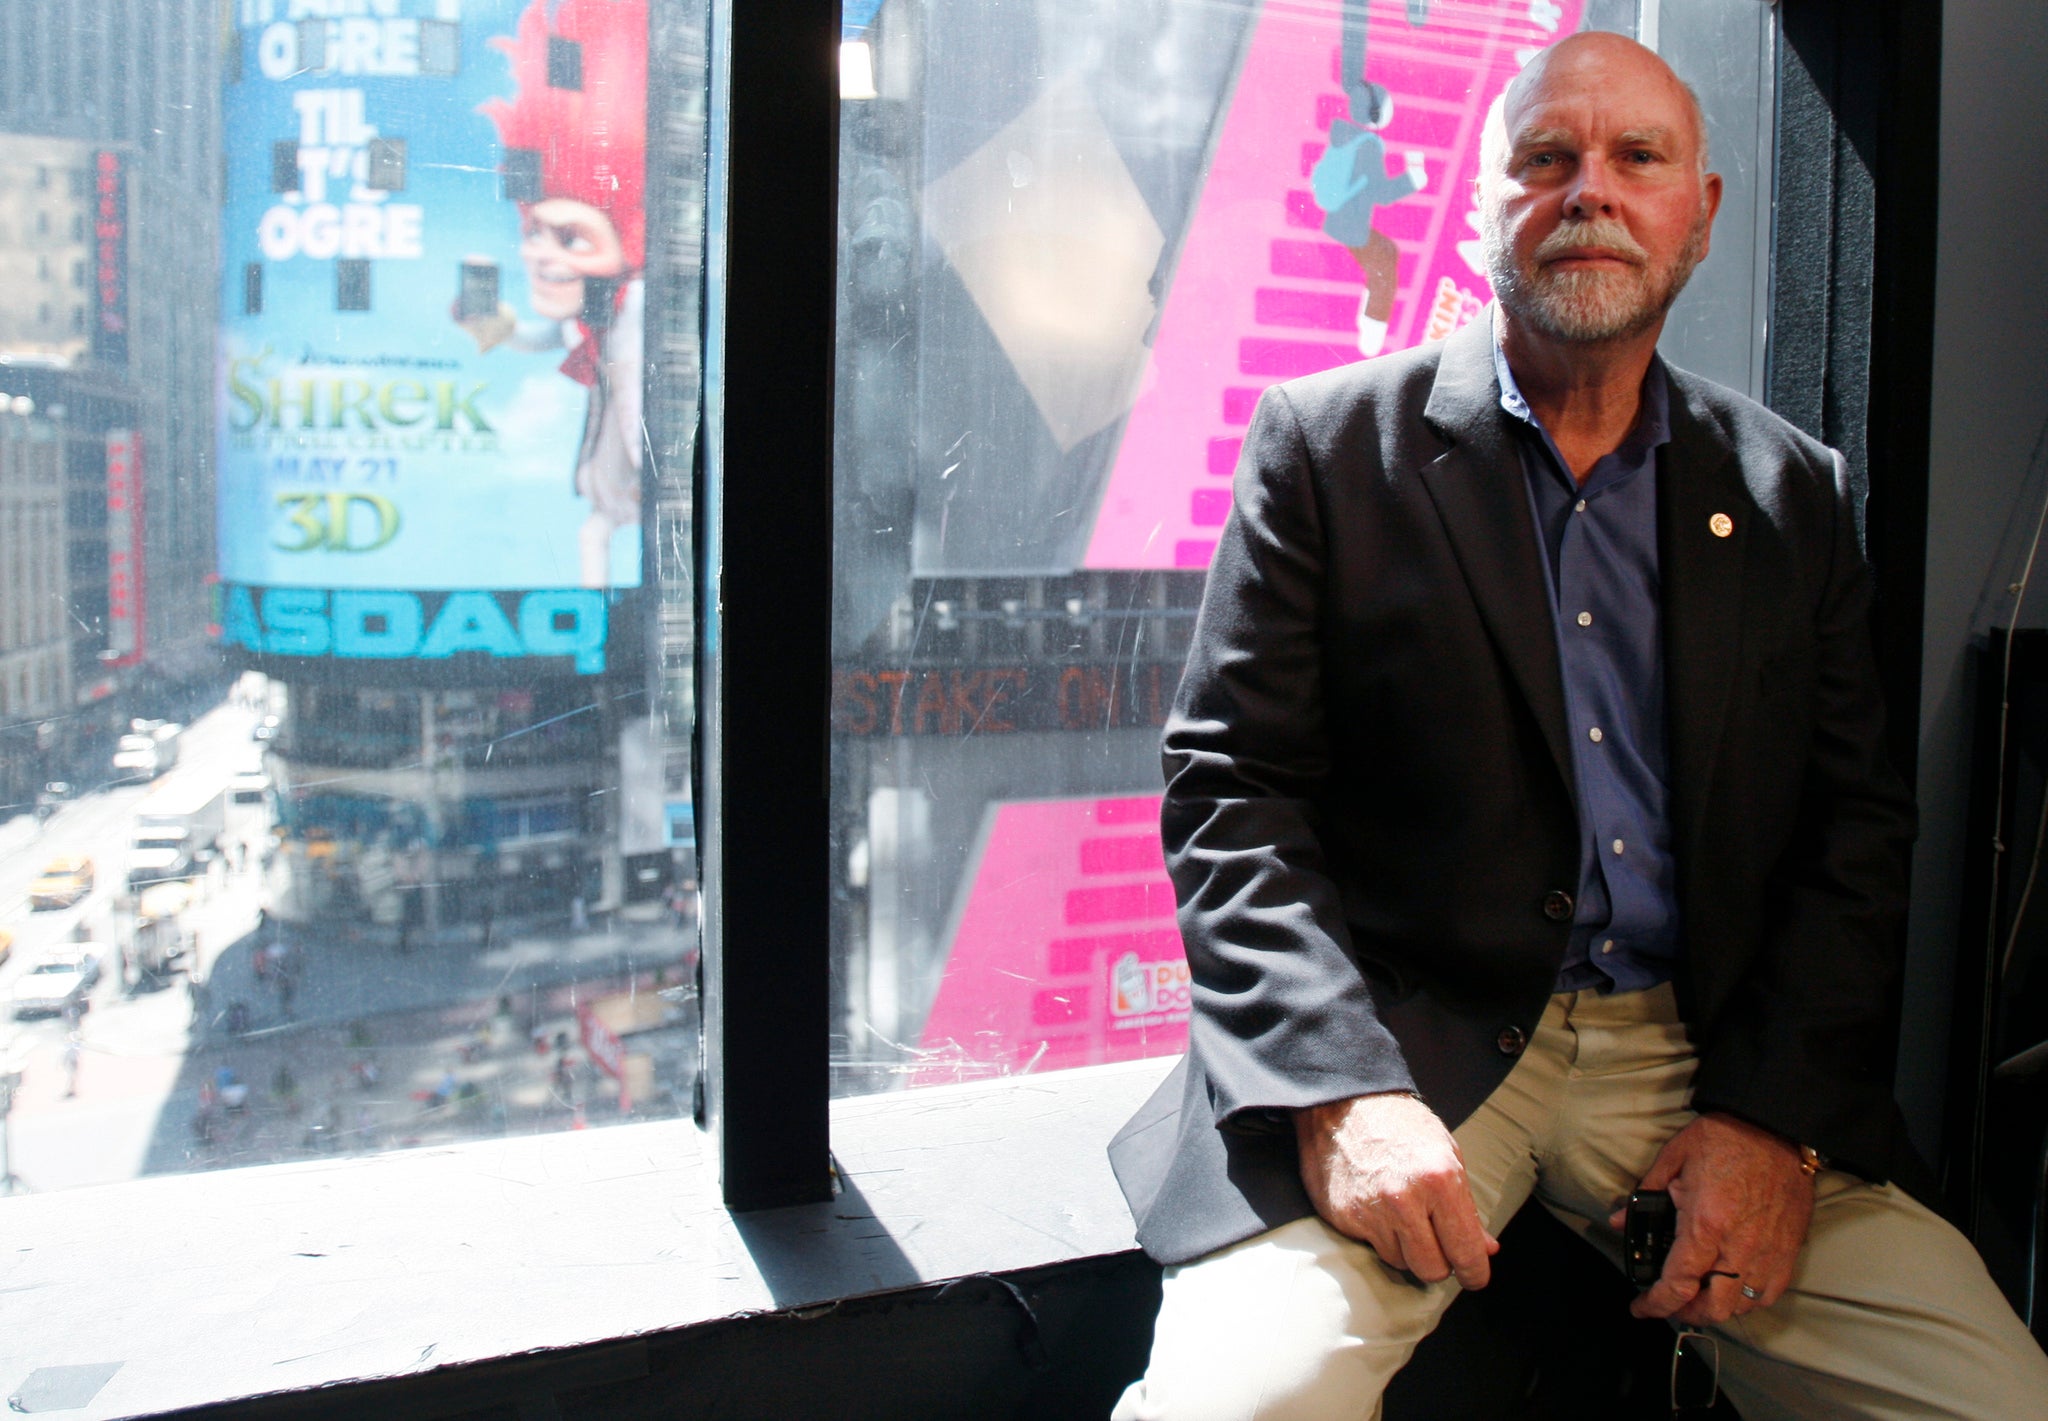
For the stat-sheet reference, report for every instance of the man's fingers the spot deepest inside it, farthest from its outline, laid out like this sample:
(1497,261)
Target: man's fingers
(1387,1244)
(1719,1299)
(1467,1246)
(1680,1281)
(1665,1297)
(1424,1252)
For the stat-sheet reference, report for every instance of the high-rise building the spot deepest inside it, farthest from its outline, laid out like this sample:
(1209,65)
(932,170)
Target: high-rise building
(109,215)
(35,669)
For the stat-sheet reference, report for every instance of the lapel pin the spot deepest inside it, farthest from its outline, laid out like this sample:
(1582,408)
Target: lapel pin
(1722,525)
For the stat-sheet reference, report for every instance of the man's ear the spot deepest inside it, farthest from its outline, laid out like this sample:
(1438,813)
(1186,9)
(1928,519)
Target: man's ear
(1713,197)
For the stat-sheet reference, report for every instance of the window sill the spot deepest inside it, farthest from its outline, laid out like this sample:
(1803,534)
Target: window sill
(232,1284)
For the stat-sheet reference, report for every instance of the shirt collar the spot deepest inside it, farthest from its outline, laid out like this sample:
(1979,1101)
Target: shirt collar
(1653,416)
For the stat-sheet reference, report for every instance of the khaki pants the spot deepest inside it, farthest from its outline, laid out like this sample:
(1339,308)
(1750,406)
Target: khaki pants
(1890,1314)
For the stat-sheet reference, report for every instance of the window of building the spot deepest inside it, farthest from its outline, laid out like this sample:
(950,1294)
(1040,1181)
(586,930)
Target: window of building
(395,564)
(1109,282)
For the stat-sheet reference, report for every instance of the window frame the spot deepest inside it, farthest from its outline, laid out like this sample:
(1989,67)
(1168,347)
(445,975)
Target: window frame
(764,515)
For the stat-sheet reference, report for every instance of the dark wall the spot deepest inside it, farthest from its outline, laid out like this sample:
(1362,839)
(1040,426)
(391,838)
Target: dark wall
(1989,404)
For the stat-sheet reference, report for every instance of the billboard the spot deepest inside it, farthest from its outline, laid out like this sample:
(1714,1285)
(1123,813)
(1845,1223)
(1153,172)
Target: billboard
(428,417)
(125,581)
(109,259)
(1305,200)
(1065,951)
(1339,220)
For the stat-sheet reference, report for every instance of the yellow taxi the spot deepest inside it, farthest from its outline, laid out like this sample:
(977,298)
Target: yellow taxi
(64,881)
(6,944)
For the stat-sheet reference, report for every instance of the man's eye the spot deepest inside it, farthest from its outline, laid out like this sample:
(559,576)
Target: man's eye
(1540,160)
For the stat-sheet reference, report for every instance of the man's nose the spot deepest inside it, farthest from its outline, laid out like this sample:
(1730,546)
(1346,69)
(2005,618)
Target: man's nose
(1591,190)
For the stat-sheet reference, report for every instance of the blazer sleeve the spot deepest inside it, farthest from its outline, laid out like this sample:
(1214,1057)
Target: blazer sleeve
(1811,1033)
(1282,1015)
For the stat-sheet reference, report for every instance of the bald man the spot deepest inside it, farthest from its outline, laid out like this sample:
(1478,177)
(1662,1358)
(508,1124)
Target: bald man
(1529,818)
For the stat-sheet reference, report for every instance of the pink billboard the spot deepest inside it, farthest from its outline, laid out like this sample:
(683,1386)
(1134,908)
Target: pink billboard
(1065,953)
(1271,283)
(1335,221)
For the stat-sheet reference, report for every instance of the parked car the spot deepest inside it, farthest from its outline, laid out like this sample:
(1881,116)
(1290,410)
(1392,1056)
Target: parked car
(64,881)
(59,983)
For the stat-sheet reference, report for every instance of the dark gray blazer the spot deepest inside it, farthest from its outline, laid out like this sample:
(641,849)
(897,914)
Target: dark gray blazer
(1369,816)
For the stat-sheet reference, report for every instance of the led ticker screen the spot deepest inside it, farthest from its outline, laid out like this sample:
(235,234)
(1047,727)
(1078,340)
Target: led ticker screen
(429,411)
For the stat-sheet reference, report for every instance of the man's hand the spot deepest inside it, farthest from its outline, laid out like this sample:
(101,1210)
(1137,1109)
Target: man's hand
(1743,1209)
(1383,1169)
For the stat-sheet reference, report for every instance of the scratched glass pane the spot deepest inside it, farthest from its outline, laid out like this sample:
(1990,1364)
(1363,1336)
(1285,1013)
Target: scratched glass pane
(348,367)
(1078,239)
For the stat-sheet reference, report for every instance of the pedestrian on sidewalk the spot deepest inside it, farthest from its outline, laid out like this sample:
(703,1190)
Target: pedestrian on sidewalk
(74,1046)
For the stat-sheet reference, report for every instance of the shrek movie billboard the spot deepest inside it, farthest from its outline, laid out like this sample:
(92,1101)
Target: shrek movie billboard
(429,419)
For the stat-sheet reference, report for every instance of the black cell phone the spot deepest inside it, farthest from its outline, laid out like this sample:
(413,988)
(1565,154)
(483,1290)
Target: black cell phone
(1650,1229)
(478,295)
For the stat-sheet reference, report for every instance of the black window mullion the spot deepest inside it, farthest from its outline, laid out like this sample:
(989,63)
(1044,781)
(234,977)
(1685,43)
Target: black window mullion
(766,520)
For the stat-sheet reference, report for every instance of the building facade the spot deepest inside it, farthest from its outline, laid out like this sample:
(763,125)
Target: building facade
(35,665)
(109,200)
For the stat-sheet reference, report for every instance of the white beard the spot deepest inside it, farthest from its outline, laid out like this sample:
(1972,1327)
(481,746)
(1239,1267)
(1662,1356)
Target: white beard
(1587,306)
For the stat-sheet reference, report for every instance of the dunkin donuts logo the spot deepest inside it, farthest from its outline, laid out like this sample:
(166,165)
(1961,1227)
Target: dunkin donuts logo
(1148,993)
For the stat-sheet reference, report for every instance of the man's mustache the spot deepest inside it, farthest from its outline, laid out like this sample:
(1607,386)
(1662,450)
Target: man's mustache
(1601,235)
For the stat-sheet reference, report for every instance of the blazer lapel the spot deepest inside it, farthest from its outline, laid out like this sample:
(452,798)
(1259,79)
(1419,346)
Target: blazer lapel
(1479,492)
(1704,512)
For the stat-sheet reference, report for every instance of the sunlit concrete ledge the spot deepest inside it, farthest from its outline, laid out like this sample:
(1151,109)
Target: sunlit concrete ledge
(232,1284)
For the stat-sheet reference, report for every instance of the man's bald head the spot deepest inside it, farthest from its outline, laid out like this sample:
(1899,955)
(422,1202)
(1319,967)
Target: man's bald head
(1601,51)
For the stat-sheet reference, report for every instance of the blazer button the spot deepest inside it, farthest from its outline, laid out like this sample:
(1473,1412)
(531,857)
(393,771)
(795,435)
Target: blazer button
(1557,906)
(1511,1040)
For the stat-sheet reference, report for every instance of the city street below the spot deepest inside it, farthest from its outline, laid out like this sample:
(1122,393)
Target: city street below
(271,1042)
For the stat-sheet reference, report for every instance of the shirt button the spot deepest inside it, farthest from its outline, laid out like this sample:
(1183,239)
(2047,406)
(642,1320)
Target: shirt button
(1579,507)
(1557,905)
(1595,735)
(1511,1040)
(1617,846)
(1585,619)
(1607,946)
